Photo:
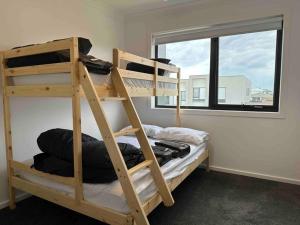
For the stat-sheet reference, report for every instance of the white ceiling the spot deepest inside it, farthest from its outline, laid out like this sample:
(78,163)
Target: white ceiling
(135,6)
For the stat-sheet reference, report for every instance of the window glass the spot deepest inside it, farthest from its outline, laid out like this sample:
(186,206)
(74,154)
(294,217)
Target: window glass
(193,57)
(247,68)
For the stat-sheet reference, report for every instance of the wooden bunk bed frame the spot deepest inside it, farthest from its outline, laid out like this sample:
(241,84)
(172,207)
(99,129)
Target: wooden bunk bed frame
(82,85)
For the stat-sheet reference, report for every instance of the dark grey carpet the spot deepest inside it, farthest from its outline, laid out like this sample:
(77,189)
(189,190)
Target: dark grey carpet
(203,199)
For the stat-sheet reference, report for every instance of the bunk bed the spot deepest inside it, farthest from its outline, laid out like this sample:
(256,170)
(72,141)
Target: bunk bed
(122,87)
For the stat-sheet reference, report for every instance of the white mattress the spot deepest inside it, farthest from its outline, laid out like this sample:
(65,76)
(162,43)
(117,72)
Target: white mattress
(64,78)
(111,195)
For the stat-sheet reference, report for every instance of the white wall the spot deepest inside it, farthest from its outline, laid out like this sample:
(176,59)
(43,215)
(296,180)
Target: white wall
(36,21)
(262,147)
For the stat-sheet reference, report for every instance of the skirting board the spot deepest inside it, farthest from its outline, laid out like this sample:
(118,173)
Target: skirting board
(19,197)
(256,175)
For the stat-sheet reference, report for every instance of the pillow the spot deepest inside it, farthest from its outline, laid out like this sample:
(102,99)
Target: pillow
(150,130)
(186,135)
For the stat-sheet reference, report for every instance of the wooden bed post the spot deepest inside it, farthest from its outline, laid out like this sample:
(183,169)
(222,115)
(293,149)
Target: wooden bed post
(178,119)
(77,145)
(8,137)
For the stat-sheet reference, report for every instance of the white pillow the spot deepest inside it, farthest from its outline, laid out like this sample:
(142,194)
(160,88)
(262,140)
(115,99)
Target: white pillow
(186,135)
(150,130)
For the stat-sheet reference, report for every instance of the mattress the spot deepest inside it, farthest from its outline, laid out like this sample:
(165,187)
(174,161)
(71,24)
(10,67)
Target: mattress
(64,78)
(111,195)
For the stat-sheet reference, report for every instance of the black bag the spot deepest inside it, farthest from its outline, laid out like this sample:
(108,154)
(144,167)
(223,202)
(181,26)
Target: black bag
(147,69)
(180,149)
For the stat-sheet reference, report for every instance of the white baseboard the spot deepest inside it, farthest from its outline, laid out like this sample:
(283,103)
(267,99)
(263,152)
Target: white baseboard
(19,197)
(256,175)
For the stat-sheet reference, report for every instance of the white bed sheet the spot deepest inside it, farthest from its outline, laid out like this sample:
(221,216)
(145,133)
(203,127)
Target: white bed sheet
(64,78)
(111,195)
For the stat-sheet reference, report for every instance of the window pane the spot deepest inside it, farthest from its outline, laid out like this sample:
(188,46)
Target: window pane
(222,95)
(247,68)
(193,57)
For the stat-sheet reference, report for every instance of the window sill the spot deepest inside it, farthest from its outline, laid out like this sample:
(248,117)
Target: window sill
(226,113)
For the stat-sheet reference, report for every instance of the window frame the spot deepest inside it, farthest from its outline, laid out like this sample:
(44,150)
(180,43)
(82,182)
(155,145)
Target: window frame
(213,82)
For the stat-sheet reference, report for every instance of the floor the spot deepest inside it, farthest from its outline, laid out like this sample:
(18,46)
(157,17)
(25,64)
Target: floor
(203,199)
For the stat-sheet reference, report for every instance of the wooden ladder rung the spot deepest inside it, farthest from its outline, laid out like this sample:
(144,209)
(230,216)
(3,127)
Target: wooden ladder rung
(126,132)
(112,99)
(140,166)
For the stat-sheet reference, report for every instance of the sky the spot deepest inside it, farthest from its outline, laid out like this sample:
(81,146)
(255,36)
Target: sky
(251,55)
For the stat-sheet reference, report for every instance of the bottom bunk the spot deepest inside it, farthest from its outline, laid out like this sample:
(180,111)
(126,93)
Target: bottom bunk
(110,195)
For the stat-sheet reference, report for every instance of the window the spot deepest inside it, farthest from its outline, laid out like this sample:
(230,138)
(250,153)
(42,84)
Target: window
(222,95)
(183,96)
(199,93)
(227,67)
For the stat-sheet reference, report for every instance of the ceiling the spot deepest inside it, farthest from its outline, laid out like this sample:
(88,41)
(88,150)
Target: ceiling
(135,6)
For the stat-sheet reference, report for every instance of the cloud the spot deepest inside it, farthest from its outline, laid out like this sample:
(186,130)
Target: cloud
(251,55)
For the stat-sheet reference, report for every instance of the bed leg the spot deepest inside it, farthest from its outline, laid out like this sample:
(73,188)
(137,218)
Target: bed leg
(207,165)
(12,198)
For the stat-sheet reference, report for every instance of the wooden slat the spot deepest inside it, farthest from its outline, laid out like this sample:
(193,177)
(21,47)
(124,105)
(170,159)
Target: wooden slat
(140,60)
(178,102)
(111,99)
(140,166)
(103,91)
(100,213)
(145,76)
(76,112)
(39,69)
(52,46)
(153,202)
(167,79)
(8,135)
(166,92)
(40,90)
(23,167)
(155,78)
(126,132)
(140,92)
(135,75)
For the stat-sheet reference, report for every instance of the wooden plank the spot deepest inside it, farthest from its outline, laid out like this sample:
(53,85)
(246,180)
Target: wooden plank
(7,134)
(52,46)
(140,60)
(155,80)
(59,179)
(166,92)
(140,166)
(39,69)
(167,79)
(126,132)
(145,76)
(142,138)
(135,75)
(139,92)
(100,213)
(113,148)
(39,90)
(102,90)
(76,112)
(178,102)
(105,90)
(153,202)
(111,99)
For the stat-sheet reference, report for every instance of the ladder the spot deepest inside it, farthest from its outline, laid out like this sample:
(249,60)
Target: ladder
(109,138)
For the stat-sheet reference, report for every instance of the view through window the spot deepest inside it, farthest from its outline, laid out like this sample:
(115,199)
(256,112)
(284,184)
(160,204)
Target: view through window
(245,71)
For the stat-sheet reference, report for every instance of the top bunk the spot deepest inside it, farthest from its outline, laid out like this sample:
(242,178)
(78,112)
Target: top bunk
(138,84)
